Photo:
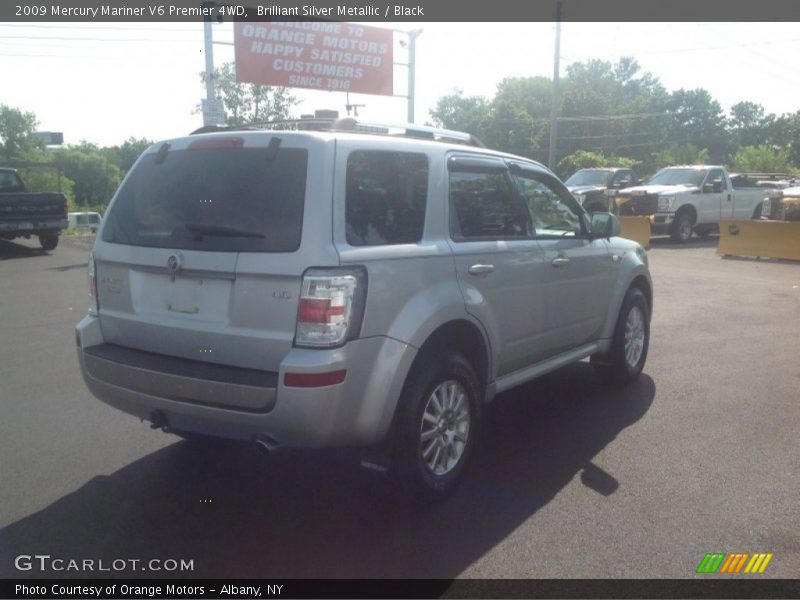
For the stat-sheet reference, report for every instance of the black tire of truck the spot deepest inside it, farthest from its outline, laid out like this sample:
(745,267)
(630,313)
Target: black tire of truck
(681,230)
(48,241)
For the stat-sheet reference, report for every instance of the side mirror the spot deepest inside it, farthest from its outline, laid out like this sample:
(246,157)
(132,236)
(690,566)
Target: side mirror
(604,225)
(622,183)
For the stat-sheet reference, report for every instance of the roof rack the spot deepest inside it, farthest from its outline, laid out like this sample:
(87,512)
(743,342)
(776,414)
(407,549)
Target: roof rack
(350,125)
(766,176)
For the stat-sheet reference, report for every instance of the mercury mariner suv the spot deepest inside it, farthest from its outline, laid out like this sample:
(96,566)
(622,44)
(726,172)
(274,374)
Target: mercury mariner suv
(340,284)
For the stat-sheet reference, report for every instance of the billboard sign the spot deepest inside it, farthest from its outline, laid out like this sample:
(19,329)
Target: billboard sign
(50,138)
(331,56)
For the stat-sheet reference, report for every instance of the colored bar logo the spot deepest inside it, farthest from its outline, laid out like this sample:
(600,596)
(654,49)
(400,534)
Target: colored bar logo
(721,562)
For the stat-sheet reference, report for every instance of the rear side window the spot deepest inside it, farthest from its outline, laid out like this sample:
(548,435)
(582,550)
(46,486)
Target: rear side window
(10,182)
(225,199)
(484,206)
(385,198)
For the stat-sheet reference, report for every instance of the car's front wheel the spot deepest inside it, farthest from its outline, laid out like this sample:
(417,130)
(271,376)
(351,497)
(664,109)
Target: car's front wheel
(625,361)
(436,426)
(682,226)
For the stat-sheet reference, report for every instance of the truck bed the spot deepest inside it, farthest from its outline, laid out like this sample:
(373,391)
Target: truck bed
(30,213)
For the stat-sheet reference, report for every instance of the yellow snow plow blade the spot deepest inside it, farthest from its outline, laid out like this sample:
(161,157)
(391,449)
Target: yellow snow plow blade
(768,239)
(636,229)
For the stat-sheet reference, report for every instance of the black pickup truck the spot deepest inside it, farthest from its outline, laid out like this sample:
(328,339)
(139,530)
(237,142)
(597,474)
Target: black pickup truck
(24,213)
(590,186)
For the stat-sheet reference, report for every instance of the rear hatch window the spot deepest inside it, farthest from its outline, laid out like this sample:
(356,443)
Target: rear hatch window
(212,197)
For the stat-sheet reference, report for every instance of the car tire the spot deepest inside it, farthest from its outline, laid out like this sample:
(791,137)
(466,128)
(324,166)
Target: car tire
(436,426)
(681,230)
(625,361)
(48,242)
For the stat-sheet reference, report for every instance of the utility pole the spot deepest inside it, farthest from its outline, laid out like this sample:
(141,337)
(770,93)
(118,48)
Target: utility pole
(209,64)
(209,59)
(412,64)
(213,113)
(551,155)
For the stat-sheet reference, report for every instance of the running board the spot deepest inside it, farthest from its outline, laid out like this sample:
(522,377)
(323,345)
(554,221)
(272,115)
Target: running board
(506,382)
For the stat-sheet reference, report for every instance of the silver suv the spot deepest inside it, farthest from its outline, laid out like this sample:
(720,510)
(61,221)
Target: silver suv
(356,286)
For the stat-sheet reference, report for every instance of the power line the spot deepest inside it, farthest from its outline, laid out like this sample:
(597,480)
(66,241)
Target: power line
(110,28)
(589,118)
(609,135)
(728,47)
(781,65)
(93,39)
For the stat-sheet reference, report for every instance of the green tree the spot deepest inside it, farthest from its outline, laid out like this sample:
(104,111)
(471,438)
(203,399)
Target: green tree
(249,102)
(681,154)
(587,160)
(748,124)
(461,113)
(612,108)
(17,133)
(784,132)
(762,159)
(125,154)
(95,178)
(698,120)
(41,174)
(519,117)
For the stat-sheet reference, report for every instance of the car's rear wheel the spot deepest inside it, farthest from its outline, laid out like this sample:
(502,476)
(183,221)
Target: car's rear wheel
(48,242)
(625,361)
(437,425)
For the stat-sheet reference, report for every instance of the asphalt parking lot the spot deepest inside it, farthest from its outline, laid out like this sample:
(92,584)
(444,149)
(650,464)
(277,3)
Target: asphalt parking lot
(571,478)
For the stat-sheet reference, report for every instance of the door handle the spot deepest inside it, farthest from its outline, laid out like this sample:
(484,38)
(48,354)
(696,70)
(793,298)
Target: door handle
(560,262)
(480,269)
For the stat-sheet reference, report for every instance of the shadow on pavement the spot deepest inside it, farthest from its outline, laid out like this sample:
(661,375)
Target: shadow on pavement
(240,514)
(712,241)
(9,250)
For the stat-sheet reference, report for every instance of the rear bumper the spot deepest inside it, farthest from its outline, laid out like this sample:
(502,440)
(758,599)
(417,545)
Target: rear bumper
(357,411)
(32,226)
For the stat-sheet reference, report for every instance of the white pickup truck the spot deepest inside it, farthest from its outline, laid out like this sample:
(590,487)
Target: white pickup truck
(680,200)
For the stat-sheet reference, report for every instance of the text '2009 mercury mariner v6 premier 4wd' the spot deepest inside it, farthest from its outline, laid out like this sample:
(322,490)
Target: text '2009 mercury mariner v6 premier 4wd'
(350,286)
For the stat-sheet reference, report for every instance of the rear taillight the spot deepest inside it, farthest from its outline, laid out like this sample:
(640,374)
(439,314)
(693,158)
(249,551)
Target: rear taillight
(331,306)
(93,305)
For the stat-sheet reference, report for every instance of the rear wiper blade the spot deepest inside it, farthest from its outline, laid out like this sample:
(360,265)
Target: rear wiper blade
(221,231)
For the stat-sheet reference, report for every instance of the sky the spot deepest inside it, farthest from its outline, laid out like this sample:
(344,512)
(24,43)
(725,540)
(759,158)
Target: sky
(106,82)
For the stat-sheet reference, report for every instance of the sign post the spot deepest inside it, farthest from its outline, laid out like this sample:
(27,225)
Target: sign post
(209,52)
(213,112)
